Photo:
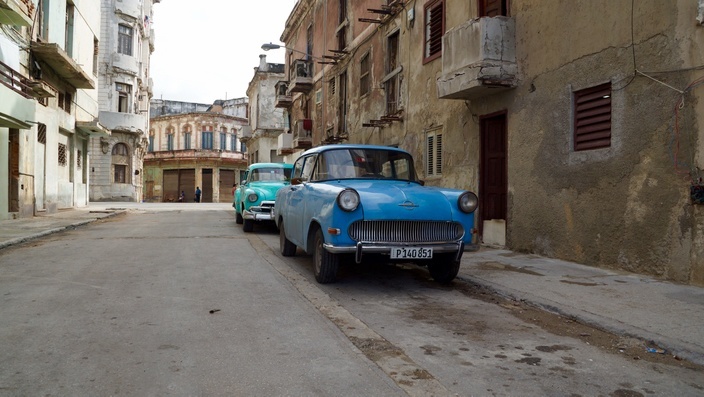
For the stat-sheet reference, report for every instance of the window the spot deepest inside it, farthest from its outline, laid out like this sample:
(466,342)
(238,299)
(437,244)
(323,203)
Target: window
(41,133)
(120,173)
(151,143)
(68,33)
(243,147)
(342,104)
(96,51)
(120,149)
(309,43)
(434,153)
(123,97)
(493,8)
(64,101)
(434,29)
(120,162)
(170,142)
(392,79)
(233,141)
(207,137)
(124,40)
(223,139)
(187,140)
(78,159)
(364,76)
(592,118)
(62,155)
(342,26)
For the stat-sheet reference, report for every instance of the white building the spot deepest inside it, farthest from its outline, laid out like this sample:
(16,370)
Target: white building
(48,103)
(266,126)
(125,90)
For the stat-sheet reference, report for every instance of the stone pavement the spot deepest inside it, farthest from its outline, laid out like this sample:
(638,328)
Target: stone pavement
(668,315)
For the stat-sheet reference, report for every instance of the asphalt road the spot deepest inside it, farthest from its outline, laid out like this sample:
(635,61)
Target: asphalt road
(180,301)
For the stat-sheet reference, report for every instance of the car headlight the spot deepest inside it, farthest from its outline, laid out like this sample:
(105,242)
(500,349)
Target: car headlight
(467,202)
(252,197)
(348,200)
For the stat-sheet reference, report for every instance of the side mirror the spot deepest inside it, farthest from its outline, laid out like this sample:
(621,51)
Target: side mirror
(296,181)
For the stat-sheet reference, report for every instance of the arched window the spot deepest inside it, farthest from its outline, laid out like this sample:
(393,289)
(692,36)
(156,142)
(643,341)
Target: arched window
(151,141)
(121,163)
(223,139)
(207,137)
(233,141)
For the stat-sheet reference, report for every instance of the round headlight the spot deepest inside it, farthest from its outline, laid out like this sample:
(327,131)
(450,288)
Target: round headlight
(348,200)
(252,197)
(467,202)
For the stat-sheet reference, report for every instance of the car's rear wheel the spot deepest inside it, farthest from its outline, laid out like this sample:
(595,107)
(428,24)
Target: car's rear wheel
(287,247)
(325,263)
(444,267)
(238,218)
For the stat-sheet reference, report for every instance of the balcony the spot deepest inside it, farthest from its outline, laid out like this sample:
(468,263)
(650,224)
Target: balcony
(132,8)
(478,59)
(301,76)
(64,66)
(283,99)
(285,145)
(125,122)
(16,12)
(245,133)
(16,107)
(303,134)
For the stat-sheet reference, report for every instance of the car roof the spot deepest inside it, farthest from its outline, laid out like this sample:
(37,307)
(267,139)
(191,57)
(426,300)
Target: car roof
(323,148)
(269,165)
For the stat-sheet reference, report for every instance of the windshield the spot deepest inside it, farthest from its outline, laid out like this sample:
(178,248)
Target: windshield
(270,174)
(364,163)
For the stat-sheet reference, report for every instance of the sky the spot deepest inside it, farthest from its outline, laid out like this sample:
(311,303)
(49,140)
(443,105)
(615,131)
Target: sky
(209,51)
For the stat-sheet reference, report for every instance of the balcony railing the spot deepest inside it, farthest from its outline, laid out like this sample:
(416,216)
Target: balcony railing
(283,98)
(13,80)
(478,59)
(303,134)
(301,74)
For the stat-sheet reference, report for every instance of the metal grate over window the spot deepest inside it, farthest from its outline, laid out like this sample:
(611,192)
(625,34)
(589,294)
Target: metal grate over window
(41,133)
(62,155)
(592,118)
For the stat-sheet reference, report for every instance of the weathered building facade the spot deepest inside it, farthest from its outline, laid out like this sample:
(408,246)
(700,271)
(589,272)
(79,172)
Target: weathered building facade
(125,90)
(197,148)
(48,104)
(577,128)
(267,140)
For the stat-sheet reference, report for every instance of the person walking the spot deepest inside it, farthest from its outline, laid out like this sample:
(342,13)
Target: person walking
(197,199)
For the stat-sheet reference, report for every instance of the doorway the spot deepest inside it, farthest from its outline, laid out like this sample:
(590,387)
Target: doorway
(493,181)
(207,186)
(13,192)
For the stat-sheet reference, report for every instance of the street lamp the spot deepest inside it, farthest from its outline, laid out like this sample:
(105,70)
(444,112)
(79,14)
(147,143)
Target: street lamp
(272,46)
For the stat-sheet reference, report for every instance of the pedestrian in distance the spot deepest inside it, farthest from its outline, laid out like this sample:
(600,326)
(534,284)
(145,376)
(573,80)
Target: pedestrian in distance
(197,198)
(182,197)
(234,188)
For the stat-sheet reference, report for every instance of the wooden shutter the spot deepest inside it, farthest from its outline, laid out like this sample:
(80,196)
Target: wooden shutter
(592,118)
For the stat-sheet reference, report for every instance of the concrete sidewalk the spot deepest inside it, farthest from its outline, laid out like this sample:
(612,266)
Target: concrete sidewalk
(666,314)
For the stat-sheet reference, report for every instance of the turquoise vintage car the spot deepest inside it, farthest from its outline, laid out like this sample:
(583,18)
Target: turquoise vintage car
(359,200)
(254,198)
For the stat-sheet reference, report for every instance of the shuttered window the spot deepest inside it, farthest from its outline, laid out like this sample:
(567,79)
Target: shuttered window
(592,118)
(434,30)
(434,153)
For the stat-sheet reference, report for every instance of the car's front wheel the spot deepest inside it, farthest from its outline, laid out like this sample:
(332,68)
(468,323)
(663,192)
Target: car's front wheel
(287,247)
(248,225)
(238,218)
(325,263)
(444,267)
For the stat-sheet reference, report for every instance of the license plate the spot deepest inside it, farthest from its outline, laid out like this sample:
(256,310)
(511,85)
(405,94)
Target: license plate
(411,253)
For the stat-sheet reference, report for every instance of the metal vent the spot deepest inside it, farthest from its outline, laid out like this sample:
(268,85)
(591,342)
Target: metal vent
(406,231)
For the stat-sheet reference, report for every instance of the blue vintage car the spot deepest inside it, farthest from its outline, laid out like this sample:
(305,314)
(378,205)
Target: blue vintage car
(254,198)
(358,200)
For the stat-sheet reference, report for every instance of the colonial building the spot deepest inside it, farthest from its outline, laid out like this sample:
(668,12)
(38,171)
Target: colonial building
(48,104)
(576,127)
(125,90)
(267,138)
(194,145)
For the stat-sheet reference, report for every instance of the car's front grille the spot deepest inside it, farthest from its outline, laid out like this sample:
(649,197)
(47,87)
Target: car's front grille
(406,231)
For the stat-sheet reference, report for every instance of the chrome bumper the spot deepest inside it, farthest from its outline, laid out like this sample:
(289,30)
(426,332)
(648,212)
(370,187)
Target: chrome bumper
(256,215)
(385,248)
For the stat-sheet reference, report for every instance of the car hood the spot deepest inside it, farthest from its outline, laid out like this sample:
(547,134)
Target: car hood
(265,190)
(402,200)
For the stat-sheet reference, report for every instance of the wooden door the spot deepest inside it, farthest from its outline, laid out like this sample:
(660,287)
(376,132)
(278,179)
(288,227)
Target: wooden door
(493,184)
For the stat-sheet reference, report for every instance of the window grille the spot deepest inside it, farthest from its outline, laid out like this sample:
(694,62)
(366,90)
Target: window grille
(62,155)
(41,133)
